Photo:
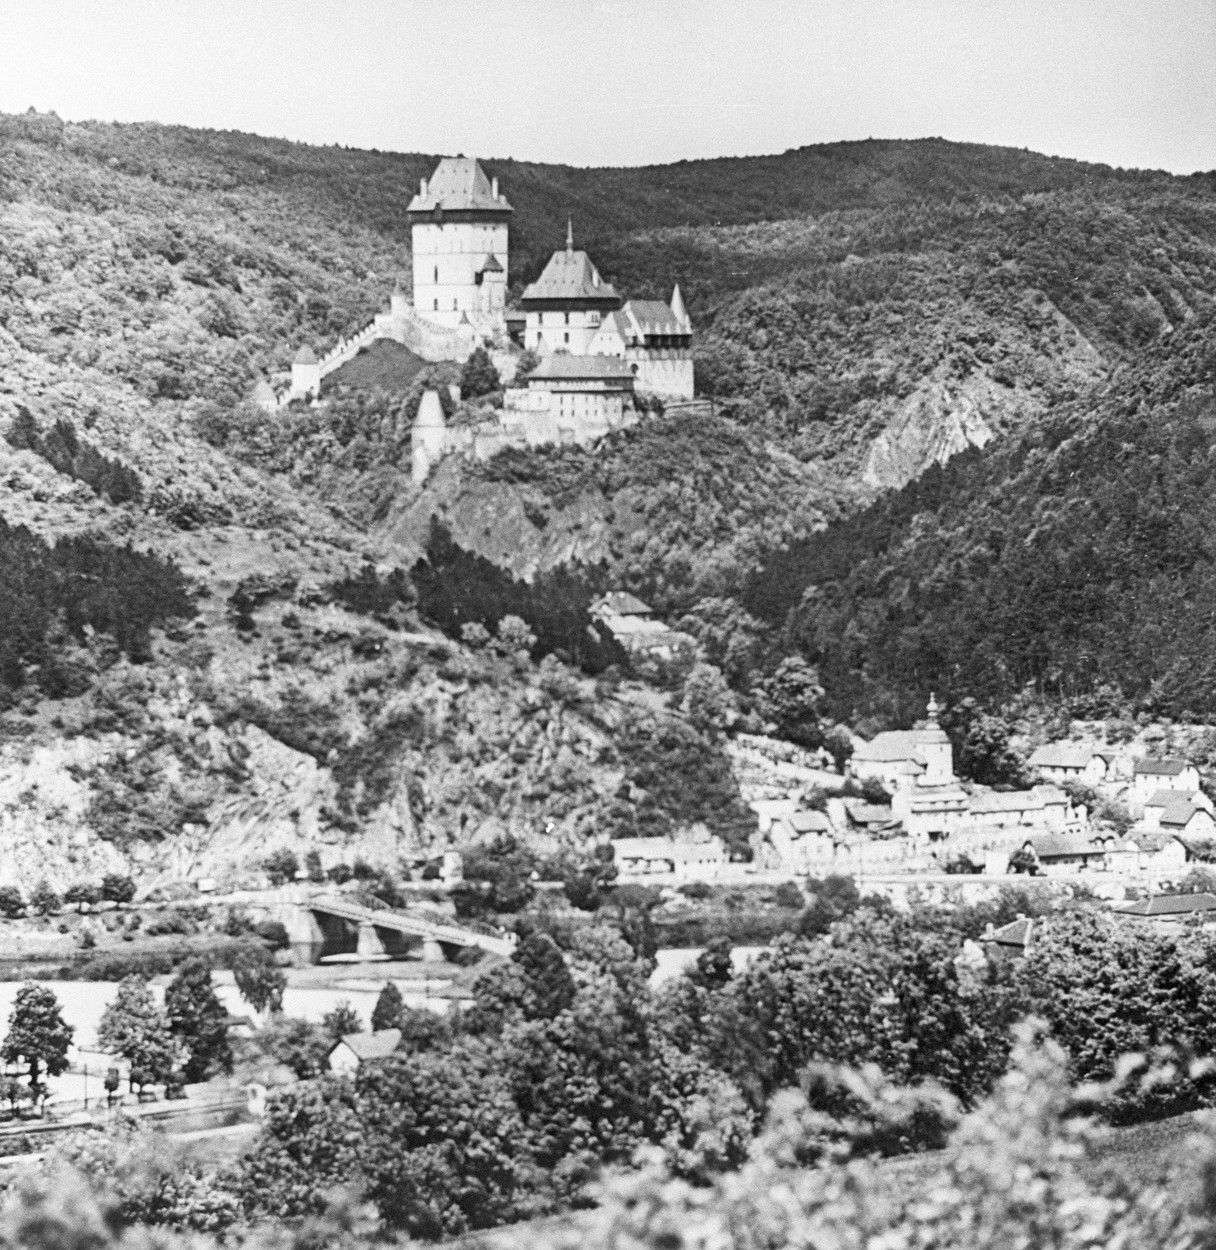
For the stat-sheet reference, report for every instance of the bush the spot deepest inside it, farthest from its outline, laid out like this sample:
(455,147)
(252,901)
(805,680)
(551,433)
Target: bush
(12,904)
(117,888)
(44,901)
(281,866)
(274,934)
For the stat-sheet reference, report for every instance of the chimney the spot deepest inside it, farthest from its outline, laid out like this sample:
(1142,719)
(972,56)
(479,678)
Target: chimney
(494,188)
(423,191)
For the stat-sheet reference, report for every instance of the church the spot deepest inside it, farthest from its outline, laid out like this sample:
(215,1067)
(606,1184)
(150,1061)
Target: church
(602,357)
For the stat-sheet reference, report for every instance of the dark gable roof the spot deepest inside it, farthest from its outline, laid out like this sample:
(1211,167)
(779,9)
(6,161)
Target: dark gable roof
(570,276)
(1170,905)
(566,368)
(1159,768)
(1015,933)
(458,184)
(620,603)
(1061,755)
(378,1045)
(1062,846)
(490,264)
(654,317)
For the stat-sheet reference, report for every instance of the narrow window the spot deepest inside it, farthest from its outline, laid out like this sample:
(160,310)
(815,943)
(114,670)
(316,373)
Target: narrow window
(436,274)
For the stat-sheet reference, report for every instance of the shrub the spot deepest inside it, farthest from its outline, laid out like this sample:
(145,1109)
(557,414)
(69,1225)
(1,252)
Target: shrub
(281,866)
(12,904)
(44,901)
(117,888)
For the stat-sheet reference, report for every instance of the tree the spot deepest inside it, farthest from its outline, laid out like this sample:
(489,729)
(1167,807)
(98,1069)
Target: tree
(444,1147)
(549,987)
(713,967)
(389,1005)
(43,900)
(198,1018)
(479,377)
(341,1022)
(260,980)
(303,1046)
(12,904)
(525,365)
(135,1026)
(832,898)
(312,866)
(37,1033)
(982,749)
(281,866)
(791,697)
(82,894)
(117,888)
(707,700)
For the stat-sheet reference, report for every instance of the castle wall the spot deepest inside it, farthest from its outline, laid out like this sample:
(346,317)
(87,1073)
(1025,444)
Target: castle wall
(562,331)
(447,256)
(666,372)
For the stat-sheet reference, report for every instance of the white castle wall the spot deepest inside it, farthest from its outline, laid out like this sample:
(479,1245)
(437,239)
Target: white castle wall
(447,256)
(666,372)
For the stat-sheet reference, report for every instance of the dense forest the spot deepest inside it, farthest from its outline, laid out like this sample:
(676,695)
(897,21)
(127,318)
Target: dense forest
(1073,558)
(59,598)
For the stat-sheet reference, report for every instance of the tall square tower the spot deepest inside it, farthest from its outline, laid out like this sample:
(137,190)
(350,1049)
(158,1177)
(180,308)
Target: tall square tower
(459,238)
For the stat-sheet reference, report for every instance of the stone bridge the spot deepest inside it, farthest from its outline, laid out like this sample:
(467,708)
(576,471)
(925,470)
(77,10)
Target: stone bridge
(351,924)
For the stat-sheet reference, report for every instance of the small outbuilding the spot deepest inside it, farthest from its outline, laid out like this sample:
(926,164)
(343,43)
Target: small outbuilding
(356,1049)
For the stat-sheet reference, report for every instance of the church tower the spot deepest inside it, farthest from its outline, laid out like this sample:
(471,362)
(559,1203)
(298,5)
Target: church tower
(458,231)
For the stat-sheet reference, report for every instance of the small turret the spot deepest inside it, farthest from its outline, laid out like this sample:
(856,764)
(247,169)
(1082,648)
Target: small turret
(569,235)
(428,439)
(305,373)
(681,313)
(933,709)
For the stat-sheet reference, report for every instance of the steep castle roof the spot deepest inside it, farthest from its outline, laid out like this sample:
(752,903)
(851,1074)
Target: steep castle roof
(459,184)
(570,275)
(566,368)
(430,412)
(652,316)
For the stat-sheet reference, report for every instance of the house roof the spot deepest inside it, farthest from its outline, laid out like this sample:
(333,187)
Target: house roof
(1170,905)
(1015,933)
(458,184)
(667,848)
(491,264)
(375,1045)
(891,746)
(863,813)
(561,366)
(1149,766)
(620,603)
(1179,815)
(1063,846)
(809,822)
(1032,800)
(1151,840)
(1061,755)
(570,275)
(1167,798)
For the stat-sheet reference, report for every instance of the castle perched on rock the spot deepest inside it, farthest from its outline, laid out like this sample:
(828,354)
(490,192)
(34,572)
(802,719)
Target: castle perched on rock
(603,361)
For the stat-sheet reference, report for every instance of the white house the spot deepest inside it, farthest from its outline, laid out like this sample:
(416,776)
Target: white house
(356,1049)
(1176,811)
(566,305)
(1069,761)
(1043,806)
(640,858)
(1151,774)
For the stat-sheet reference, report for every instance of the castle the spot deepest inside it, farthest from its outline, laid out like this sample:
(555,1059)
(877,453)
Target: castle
(601,357)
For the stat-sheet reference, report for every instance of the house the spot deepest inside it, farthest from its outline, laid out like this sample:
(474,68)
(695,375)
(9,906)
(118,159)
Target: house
(1167,908)
(801,842)
(1159,852)
(356,1049)
(1152,774)
(930,813)
(1183,818)
(700,860)
(1042,806)
(571,399)
(875,819)
(633,624)
(1068,761)
(1061,854)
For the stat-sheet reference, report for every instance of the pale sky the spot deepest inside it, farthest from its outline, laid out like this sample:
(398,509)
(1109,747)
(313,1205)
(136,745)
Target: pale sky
(628,82)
